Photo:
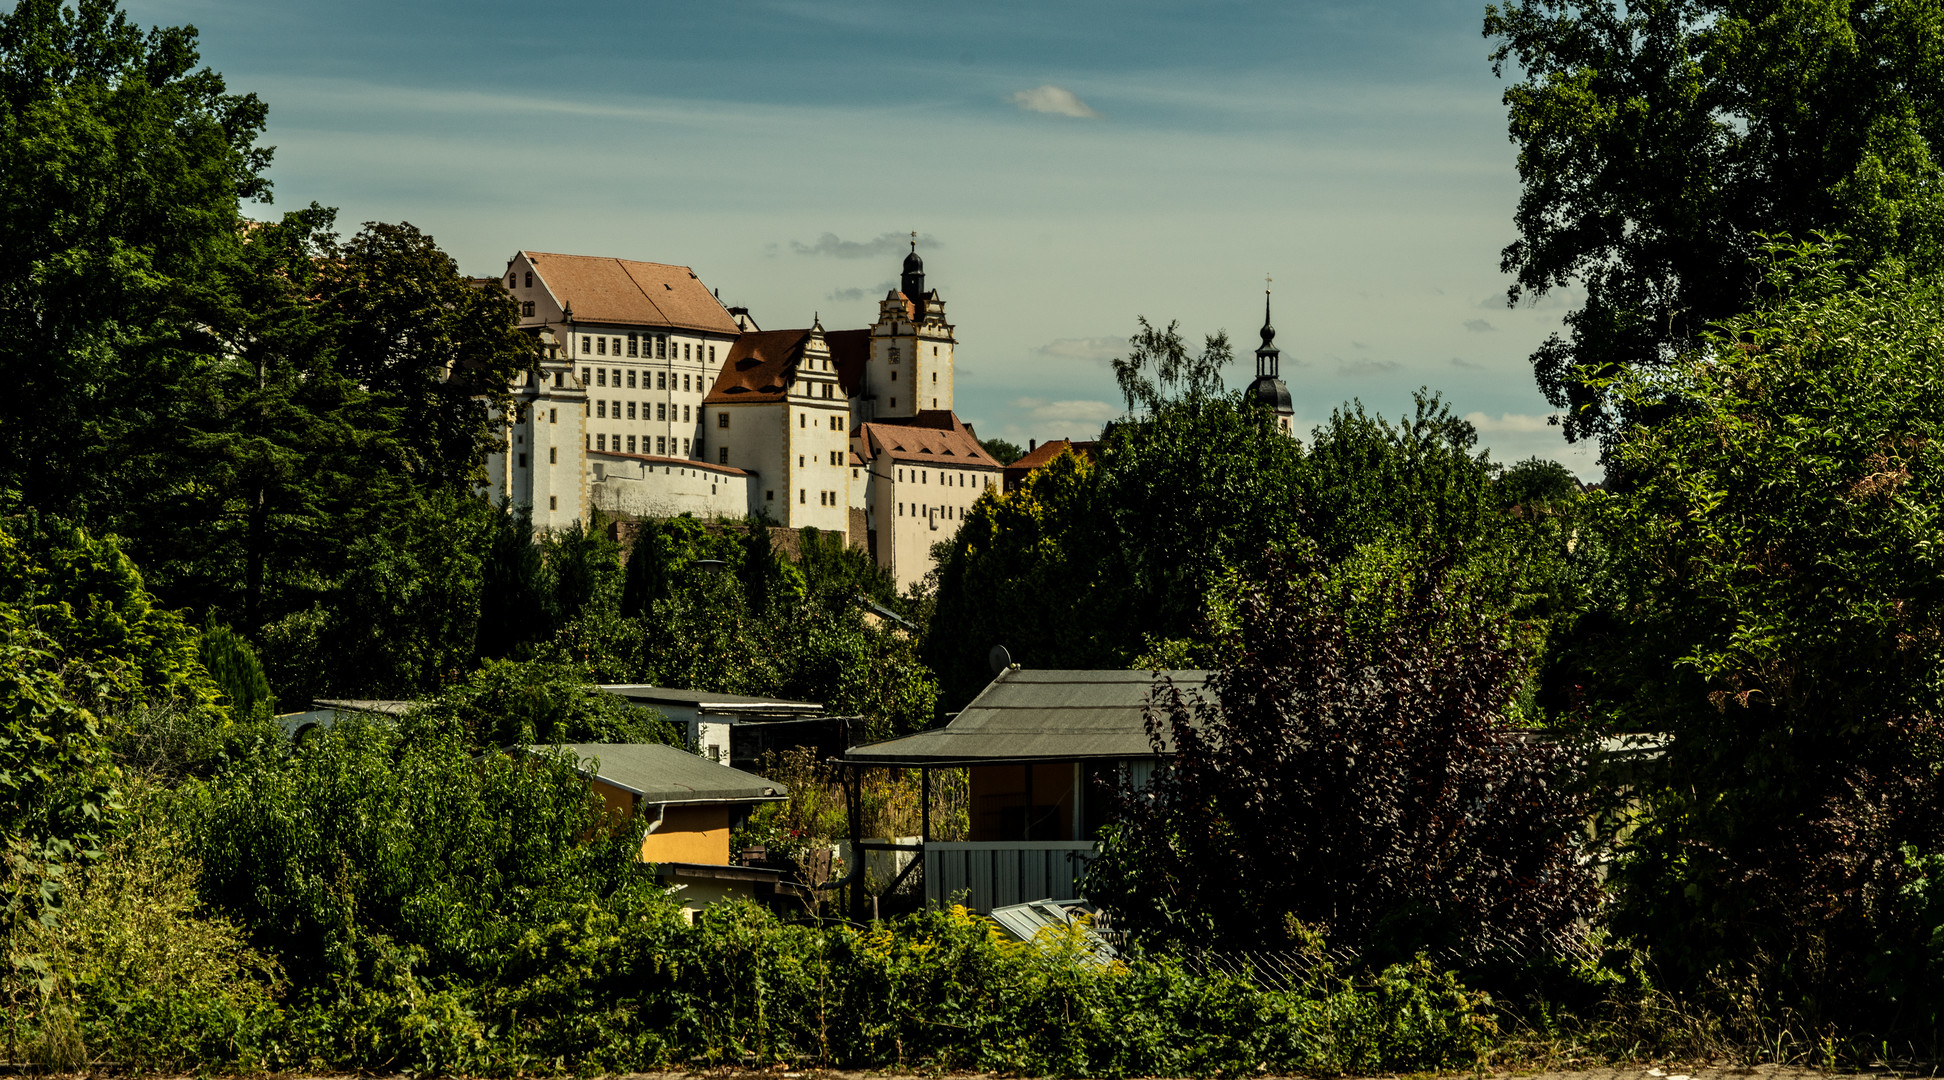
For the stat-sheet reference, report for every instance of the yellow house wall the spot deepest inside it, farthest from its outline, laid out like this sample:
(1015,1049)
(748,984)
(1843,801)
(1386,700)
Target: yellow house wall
(694,834)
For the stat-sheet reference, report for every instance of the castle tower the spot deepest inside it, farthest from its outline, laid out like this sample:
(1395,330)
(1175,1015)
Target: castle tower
(910,366)
(1268,387)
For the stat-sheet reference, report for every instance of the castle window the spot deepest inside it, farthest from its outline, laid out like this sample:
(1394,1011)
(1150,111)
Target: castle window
(553,502)
(803,495)
(894,403)
(600,376)
(661,348)
(553,416)
(529,279)
(894,376)
(600,408)
(712,354)
(685,350)
(587,376)
(722,419)
(522,461)
(631,408)
(600,346)
(631,345)
(769,496)
(661,380)
(803,419)
(600,442)
(631,444)
(934,376)
(509,279)
(526,309)
(556,378)
(892,353)
(934,350)
(722,455)
(587,345)
(661,411)
(617,346)
(631,376)
(685,447)
(685,414)
(661,444)
(553,455)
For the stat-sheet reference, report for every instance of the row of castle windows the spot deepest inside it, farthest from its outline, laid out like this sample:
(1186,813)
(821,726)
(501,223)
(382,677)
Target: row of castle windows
(663,411)
(656,344)
(662,379)
(664,445)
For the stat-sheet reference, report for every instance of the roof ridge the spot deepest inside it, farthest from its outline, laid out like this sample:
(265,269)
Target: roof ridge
(622,265)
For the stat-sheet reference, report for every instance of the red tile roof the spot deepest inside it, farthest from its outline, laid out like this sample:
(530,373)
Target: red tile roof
(629,293)
(933,437)
(758,367)
(1045,452)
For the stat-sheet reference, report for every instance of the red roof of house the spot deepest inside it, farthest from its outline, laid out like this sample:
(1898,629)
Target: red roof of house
(758,367)
(629,293)
(933,437)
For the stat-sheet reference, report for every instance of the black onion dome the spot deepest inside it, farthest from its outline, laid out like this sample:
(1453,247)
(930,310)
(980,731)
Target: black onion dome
(1273,393)
(913,264)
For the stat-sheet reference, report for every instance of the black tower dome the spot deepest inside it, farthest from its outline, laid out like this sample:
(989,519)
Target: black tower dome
(914,273)
(1268,388)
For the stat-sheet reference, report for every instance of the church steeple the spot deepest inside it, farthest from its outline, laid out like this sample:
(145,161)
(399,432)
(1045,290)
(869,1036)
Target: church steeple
(1268,357)
(1268,388)
(914,274)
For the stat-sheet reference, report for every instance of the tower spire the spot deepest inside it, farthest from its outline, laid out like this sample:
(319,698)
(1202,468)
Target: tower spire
(1268,357)
(1268,389)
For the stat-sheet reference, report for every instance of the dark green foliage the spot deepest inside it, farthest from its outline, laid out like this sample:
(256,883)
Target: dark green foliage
(1158,367)
(1351,773)
(80,639)
(513,610)
(506,704)
(1002,451)
(121,166)
(1535,483)
(1775,607)
(233,666)
(1659,142)
(373,837)
(583,567)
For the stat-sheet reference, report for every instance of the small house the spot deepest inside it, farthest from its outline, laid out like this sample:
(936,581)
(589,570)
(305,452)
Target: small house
(690,804)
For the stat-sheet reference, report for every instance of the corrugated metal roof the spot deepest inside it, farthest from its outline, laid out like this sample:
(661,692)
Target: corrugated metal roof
(647,694)
(1040,715)
(669,774)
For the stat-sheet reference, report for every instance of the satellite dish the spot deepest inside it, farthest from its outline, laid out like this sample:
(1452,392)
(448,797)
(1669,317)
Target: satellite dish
(1000,660)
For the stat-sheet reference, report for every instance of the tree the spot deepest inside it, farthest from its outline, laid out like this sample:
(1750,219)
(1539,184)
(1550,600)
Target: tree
(1777,611)
(1158,367)
(1659,143)
(233,666)
(121,167)
(1351,774)
(1002,451)
(511,704)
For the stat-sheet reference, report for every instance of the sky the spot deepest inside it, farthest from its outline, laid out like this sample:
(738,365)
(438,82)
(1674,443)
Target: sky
(1068,167)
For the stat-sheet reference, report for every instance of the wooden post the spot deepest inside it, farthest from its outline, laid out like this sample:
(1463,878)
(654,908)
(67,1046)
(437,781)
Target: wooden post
(924,805)
(857,841)
(1026,820)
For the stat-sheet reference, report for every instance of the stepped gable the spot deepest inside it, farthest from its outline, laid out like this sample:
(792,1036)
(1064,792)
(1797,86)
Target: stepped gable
(624,292)
(933,437)
(758,367)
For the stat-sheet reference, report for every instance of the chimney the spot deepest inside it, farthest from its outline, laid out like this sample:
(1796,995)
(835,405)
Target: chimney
(1032,445)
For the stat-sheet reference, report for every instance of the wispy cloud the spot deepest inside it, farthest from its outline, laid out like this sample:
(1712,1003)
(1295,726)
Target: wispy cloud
(1479,326)
(1057,100)
(1369,367)
(1461,362)
(851,296)
(1509,423)
(1040,411)
(884,244)
(1097,350)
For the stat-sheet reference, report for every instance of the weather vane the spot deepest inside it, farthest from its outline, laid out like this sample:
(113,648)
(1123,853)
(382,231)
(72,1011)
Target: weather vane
(1266,282)
(914,239)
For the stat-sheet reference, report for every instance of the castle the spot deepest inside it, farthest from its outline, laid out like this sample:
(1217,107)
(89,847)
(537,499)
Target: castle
(651,398)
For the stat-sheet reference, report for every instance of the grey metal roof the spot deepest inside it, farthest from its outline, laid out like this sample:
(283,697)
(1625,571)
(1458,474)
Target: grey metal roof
(669,774)
(644,694)
(1039,715)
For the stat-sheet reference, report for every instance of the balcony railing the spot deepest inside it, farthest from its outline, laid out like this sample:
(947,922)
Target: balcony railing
(987,874)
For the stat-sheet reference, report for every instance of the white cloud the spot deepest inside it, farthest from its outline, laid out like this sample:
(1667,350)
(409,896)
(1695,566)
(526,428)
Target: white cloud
(1095,349)
(1029,418)
(1521,423)
(1479,326)
(885,244)
(1057,100)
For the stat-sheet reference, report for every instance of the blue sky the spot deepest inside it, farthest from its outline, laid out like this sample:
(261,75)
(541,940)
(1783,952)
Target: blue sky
(1071,166)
